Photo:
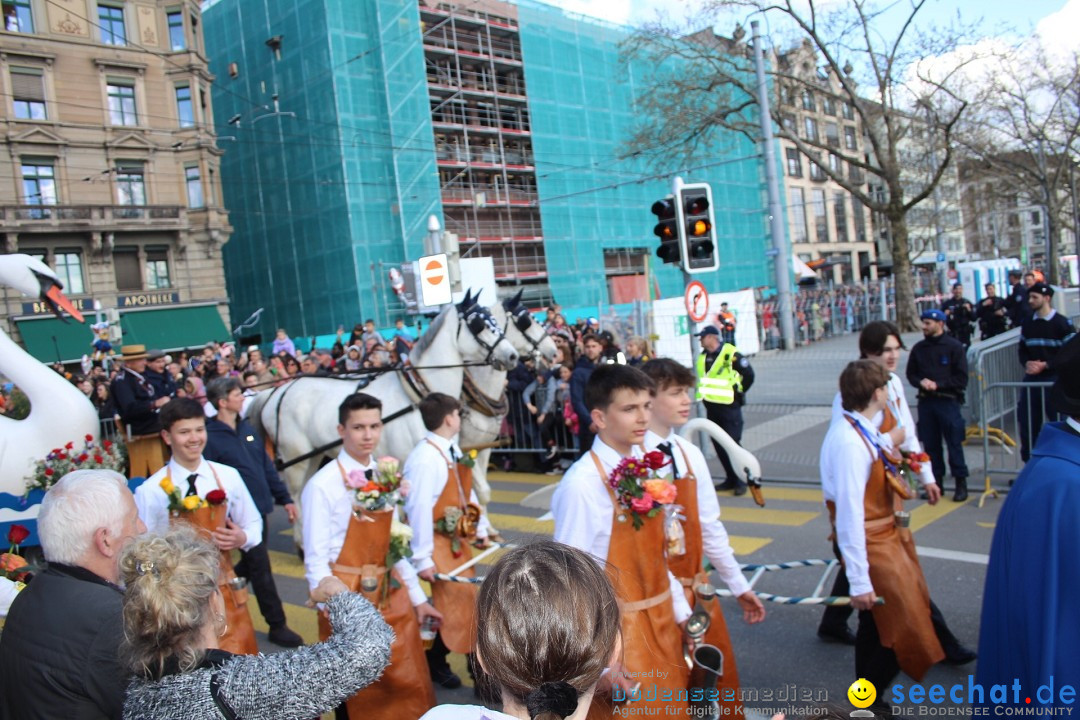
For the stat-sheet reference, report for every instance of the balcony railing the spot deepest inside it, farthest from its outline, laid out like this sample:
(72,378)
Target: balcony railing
(83,216)
(481,195)
(476,82)
(461,155)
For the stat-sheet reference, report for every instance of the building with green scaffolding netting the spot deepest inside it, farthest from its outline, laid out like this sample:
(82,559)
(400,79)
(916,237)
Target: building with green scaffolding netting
(347,123)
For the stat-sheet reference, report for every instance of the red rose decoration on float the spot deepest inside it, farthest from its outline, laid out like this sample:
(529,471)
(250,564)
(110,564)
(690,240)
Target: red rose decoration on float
(655,460)
(215,497)
(17,534)
(89,438)
(93,455)
(69,446)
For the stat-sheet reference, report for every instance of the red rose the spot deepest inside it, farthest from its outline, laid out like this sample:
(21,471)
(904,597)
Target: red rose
(69,446)
(98,458)
(215,497)
(82,458)
(49,472)
(107,445)
(55,451)
(655,459)
(89,437)
(17,534)
(62,456)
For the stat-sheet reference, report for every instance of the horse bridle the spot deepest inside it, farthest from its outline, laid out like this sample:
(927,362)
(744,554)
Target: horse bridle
(476,317)
(523,320)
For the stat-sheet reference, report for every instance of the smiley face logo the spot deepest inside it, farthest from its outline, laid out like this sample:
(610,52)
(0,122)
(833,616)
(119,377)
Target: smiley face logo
(862,693)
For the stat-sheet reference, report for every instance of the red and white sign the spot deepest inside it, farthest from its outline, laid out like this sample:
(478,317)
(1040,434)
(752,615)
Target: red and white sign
(697,301)
(435,280)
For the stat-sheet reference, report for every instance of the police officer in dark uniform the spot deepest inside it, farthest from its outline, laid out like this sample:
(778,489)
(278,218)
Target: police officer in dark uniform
(959,315)
(1017,304)
(938,368)
(155,374)
(724,376)
(992,314)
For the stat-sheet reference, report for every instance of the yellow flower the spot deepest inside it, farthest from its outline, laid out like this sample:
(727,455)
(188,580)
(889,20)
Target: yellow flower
(473,454)
(192,502)
(167,485)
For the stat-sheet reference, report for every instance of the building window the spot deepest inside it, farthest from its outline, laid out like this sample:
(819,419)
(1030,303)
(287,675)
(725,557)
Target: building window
(39,186)
(194,187)
(810,129)
(860,220)
(111,22)
(850,141)
(794,163)
(787,95)
(122,102)
(157,268)
(840,212)
(821,218)
(17,16)
(787,122)
(849,111)
(798,215)
(808,101)
(177,39)
(828,105)
(130,185)
(835,165)
(816,171)
(68,267)
(832,135)
(185,111)
(1036,218)
(28,93)
(126,266)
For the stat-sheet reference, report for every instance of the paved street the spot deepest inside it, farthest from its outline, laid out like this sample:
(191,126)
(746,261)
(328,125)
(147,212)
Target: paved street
(786,421)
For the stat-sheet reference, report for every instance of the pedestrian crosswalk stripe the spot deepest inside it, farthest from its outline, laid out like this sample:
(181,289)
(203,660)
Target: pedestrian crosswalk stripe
(925,514)
(287,564)
(766,516)
(774,492)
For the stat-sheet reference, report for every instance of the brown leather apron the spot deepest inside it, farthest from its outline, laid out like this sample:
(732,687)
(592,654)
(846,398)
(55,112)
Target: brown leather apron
(688,568)
(903,622)
(239,637)
(456,601)
(404,689)
(652,643)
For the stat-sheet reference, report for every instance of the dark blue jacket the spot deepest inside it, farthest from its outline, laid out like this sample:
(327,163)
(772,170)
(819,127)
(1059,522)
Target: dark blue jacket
(243,449)
(583,369)
(943,360)
(162,382)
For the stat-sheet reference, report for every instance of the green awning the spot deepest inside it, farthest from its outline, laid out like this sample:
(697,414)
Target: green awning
(72,339)
(173,328)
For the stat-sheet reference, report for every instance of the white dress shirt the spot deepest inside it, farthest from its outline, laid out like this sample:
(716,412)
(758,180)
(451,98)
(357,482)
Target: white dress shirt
(426,472)
(328,508)
(845,470)
(898,405)
(583,513)
(153,503)
(713,534)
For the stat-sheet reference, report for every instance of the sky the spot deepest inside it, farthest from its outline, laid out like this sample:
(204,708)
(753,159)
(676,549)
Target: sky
(1055,20)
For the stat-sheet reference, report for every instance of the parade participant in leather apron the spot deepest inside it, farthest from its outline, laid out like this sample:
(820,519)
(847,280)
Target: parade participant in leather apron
(590,517)
(899,634)
(703,532)
(446,519)
(235,523)
(344,538)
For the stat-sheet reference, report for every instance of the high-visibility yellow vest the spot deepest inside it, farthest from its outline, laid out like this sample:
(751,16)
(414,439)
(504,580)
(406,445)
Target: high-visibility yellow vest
(722,380)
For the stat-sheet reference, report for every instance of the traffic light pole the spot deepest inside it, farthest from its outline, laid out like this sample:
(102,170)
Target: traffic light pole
(780,250)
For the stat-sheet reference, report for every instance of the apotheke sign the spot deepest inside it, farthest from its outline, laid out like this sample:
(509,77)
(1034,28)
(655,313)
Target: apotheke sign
(146,299)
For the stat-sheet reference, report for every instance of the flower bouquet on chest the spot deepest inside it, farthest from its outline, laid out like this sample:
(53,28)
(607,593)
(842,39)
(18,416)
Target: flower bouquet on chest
(904,475)
(377,489)
(642,492)
(207,513)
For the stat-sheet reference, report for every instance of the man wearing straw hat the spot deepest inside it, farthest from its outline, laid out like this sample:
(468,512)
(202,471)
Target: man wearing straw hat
(138,403)
(1029,632)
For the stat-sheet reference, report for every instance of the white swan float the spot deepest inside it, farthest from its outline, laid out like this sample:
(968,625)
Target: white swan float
(59,412)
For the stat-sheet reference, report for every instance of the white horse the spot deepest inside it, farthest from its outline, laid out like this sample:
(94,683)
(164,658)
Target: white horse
(484,411)
(300,417)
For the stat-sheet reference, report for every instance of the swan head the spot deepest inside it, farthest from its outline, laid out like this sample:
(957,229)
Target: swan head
(34,278)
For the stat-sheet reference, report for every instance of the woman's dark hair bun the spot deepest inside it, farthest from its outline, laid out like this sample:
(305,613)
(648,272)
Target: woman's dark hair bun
(552,700)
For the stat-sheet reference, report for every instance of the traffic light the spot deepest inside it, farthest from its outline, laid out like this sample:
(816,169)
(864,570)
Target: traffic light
(699,229)
(667,229)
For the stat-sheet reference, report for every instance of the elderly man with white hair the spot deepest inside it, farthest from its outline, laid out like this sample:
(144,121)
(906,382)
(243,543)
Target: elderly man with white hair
(59,650)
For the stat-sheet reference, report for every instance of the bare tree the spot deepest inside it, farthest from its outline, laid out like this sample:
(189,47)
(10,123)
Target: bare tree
(1024,131)
(704,88)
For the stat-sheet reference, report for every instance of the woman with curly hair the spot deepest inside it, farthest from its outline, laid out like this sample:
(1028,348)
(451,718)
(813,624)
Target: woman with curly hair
(174,614)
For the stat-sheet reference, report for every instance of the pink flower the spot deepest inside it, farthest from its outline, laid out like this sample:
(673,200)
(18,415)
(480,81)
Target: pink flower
(356,479)
(662,490)
(642,504)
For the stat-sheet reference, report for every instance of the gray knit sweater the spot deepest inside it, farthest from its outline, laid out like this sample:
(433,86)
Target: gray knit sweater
(297,684)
